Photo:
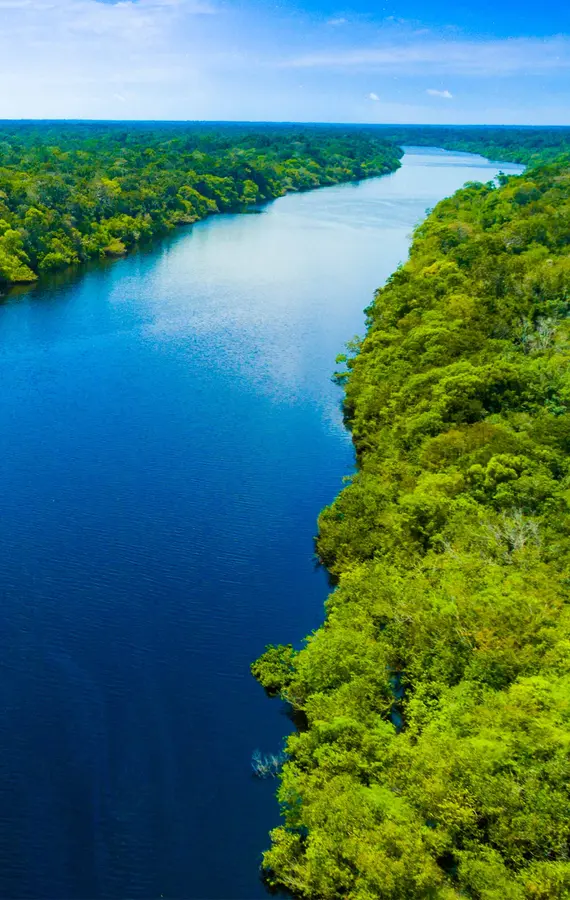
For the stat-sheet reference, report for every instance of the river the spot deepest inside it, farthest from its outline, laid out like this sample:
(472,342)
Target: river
(169,435)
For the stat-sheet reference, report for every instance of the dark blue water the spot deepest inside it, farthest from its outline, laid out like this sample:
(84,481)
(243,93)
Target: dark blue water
(169,434)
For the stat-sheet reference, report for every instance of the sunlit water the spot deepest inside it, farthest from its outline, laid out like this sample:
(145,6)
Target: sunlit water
(169,435)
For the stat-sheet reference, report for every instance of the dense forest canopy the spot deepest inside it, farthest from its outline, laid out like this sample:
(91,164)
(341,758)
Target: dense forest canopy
(434,758)
(72,192)
(514,144)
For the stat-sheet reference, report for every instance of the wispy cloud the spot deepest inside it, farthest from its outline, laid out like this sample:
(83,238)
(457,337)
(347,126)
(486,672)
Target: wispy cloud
(84,54)
(125,18)
(175,59)
(479,58)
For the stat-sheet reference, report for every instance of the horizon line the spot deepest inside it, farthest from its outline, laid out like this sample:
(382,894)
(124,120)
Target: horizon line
(284,122)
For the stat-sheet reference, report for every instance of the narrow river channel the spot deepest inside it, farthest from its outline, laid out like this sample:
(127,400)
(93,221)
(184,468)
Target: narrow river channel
(169,433)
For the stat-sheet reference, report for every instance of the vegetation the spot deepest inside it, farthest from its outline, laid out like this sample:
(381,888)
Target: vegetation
(434,758)
(74,192)
(266,766)
(527,145)
(69,193)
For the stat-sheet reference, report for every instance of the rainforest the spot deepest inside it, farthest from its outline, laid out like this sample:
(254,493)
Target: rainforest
(432,754)
(70,193)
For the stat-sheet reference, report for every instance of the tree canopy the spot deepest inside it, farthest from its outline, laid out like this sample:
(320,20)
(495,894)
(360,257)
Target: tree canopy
(433,761)
(522,144)
(69,193)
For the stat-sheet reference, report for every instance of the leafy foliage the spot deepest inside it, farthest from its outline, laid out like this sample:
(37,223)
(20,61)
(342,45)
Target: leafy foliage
(69,193)
(435,759)
(527,145)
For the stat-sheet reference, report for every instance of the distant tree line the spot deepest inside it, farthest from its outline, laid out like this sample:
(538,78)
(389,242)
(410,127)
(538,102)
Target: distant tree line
(529,145)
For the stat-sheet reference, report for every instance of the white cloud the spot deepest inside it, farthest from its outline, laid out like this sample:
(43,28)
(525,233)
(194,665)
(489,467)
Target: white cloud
(169,59)
(415,56)
(447,95)
(46,20)
(83,56)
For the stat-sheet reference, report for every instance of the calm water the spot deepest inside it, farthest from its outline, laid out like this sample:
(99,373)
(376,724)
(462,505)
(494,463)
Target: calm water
(169,434)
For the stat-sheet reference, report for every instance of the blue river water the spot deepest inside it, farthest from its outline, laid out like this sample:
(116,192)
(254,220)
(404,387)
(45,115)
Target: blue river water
(169,433)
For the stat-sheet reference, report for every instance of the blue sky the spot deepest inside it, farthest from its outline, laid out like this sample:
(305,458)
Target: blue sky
(308,60)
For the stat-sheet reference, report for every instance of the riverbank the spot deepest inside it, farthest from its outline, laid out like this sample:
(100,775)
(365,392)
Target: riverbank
(436,695)
(70,193)
(73,192)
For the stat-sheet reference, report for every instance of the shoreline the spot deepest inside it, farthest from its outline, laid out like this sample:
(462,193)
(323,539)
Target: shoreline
(255,208)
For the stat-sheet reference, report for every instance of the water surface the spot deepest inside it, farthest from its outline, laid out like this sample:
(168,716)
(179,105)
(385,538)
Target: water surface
(169,434)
